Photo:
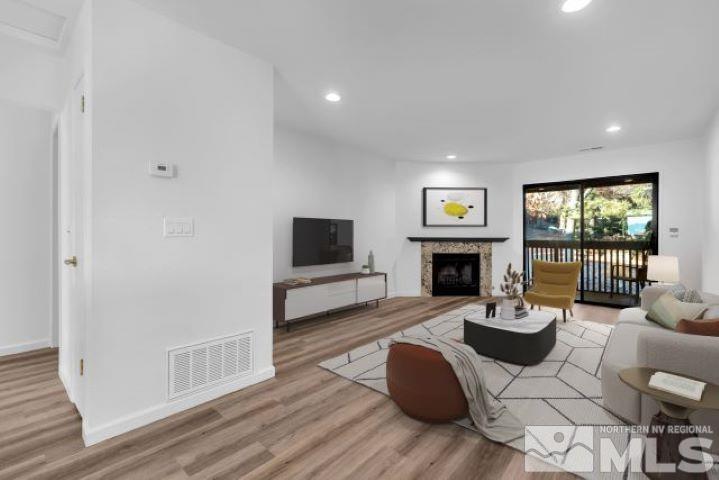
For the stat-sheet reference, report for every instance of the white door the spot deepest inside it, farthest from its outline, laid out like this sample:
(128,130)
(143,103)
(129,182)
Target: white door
(73,138)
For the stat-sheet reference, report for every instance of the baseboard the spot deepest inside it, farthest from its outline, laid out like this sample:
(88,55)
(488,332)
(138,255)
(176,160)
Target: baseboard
(24,347)
(91,436)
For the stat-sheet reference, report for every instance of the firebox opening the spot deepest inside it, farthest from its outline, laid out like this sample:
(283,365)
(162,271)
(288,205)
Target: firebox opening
(455,274)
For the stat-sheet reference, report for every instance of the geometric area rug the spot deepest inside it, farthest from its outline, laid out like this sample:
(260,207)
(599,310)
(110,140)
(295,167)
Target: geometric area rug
(563,390)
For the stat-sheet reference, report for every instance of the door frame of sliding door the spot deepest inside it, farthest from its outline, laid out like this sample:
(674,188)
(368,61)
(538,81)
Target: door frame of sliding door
(582,185)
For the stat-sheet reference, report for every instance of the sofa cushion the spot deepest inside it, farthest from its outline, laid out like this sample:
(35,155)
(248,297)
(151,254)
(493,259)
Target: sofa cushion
(635,316)
(708,328)
(667,310)
(651,294)
(710,298)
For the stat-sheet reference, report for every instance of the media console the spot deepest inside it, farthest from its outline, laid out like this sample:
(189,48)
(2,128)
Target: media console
(292,303)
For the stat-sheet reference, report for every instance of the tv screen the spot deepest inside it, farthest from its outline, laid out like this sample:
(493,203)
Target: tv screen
(319,241)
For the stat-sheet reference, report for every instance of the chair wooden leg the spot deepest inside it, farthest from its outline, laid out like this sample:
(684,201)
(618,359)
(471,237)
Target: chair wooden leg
(571,312)
(539,307)
(532,307)
(564,315)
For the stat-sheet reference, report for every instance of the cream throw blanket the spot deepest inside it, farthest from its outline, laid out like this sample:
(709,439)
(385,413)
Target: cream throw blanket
(491,418)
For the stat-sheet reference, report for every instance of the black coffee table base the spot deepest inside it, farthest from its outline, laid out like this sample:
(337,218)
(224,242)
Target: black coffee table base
(508,346)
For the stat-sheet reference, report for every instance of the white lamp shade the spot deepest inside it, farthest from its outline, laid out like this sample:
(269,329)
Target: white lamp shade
(663,269)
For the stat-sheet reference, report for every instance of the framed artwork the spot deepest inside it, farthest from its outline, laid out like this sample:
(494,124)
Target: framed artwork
(454,207)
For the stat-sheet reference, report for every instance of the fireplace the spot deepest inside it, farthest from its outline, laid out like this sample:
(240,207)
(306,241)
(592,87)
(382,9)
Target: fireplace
(455,274)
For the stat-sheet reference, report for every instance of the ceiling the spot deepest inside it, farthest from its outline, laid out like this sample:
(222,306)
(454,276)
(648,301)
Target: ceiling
(489,80)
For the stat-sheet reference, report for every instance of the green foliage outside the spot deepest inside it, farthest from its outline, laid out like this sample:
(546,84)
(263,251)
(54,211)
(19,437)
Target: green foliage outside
(611,213)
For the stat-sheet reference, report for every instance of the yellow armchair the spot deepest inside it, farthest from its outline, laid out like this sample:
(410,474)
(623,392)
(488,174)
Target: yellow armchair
(554,285)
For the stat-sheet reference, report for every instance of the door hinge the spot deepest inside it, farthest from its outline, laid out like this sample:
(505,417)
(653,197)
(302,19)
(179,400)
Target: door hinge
(82,104)
(82,366)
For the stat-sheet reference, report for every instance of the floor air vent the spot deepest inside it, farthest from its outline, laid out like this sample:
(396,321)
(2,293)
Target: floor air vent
(199,366)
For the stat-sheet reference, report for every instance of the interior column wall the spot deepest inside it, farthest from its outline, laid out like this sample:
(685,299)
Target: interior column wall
(163,92)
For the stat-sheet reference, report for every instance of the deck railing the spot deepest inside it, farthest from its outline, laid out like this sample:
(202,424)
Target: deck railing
(611,267)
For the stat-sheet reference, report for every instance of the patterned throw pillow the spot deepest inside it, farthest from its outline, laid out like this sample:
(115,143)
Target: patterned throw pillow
(667,311)
(691,296)
(678,290)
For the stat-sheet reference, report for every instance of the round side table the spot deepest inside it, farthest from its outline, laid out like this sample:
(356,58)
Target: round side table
(673,414)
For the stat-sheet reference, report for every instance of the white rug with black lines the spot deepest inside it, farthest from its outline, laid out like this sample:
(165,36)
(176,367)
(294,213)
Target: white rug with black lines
(564,389)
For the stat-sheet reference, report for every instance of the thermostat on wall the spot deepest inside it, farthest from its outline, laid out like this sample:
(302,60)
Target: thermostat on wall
(162,169)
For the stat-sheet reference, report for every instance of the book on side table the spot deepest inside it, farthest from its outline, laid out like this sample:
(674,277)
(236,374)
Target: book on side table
(682,386)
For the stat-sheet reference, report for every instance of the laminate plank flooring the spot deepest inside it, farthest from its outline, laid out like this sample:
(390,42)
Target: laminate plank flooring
(306,423)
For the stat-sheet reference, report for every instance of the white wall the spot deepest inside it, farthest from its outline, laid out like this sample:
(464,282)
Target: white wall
(315,177)
(681,170)
(164,92)
(412,177)
(30,75)
(26,240)
(710,278)
(681,186)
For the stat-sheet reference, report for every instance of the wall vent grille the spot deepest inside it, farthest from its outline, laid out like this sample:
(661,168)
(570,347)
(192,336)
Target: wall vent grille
(196,367)
(592,149)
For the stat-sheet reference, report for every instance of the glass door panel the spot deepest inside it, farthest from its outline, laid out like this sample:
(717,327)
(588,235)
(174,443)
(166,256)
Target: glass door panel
(618,237)
(552,225)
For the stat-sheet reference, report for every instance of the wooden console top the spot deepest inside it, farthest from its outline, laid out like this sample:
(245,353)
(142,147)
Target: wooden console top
(329,279)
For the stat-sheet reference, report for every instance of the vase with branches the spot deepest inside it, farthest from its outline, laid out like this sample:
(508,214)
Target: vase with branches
(512,280)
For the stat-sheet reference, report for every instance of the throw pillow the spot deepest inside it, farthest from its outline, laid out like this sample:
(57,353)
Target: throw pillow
(678,290)
(707,328)
(691,296)
(667,311)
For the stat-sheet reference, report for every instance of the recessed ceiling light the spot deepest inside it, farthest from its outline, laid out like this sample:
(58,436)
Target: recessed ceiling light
(613,128)
(333,97)
(571,6)
(451,156)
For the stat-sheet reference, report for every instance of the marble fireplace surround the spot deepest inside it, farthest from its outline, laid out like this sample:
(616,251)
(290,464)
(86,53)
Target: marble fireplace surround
(483,249)
(479,245)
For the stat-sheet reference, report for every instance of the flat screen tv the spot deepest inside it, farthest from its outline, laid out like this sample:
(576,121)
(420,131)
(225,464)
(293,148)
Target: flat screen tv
(320,241)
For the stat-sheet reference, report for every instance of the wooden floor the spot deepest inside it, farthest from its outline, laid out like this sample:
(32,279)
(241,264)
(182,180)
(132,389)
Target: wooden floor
(305,423)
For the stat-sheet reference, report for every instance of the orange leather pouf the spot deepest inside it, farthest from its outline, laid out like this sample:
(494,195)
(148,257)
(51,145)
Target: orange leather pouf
(423,384)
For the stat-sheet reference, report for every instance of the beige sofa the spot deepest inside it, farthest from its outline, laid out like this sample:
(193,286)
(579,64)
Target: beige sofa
(637,341)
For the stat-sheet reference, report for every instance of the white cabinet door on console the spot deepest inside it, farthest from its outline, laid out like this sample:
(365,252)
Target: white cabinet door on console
(305,301)
(371,288)
(341,294)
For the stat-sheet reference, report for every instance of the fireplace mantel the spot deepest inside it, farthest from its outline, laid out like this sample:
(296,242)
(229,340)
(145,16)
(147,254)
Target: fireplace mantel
(459,239)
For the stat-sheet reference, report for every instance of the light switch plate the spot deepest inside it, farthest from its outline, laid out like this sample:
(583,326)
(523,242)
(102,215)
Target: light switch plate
(178,227)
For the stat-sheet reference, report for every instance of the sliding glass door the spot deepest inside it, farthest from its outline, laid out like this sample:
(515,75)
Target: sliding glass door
(609,224)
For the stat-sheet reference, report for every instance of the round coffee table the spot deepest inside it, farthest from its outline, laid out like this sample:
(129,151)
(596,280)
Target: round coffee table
(523,342)
(673,414)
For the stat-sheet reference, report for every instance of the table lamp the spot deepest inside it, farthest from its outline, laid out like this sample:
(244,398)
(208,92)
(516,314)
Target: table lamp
(663,269)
